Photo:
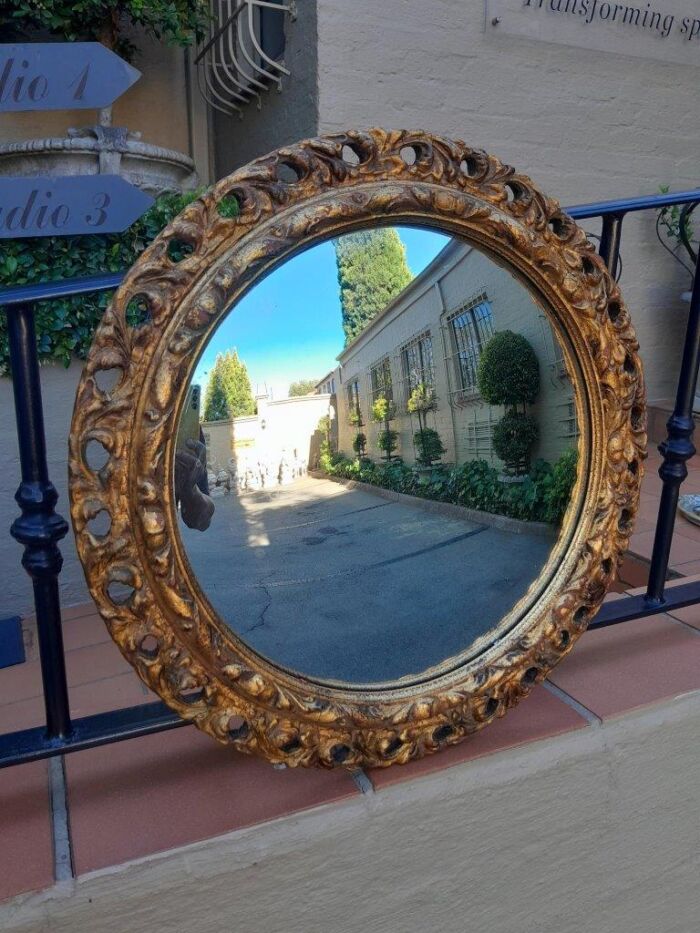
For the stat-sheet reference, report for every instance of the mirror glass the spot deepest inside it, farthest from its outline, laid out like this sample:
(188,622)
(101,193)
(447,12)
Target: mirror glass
(377,448)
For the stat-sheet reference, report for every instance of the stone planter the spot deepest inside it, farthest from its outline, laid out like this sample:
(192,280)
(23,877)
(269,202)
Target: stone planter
(101,150)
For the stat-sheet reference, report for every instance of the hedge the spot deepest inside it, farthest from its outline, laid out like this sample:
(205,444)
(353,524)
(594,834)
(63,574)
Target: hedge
(65,327)
(542,496)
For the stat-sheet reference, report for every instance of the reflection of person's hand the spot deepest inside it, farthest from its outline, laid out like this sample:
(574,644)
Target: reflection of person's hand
(196,507)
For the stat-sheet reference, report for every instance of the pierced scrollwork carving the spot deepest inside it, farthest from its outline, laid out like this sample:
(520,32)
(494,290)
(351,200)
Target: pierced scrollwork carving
(164,625)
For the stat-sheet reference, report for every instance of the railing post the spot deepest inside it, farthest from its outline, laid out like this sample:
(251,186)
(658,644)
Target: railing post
(610,235)
(39,527)
(676,449)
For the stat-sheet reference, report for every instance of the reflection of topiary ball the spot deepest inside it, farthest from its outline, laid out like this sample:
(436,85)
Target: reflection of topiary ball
(513,438)
(508,372)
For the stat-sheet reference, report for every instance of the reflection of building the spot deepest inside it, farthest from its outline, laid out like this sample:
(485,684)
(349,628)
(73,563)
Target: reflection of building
(433,333)
(285,428)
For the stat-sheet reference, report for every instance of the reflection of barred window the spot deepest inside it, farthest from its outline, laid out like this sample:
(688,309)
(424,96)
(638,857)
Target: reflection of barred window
(567,419)
(479,434)
(470,329)
(380,377)
(554,349)
(417,364)
(353,400)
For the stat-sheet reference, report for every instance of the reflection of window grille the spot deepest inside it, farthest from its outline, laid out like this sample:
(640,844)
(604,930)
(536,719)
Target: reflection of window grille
(417,364)
(567,419)
(353,391)
(470,328)
(380,378)
(480,435)
(553,347)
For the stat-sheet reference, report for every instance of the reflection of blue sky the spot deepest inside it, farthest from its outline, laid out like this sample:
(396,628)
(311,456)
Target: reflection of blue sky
(289,326)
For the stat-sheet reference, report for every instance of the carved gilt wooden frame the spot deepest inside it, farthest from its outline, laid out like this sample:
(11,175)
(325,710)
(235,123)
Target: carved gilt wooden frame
(199,266)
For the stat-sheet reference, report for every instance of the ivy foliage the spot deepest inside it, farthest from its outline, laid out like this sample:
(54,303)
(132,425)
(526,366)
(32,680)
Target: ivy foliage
(176,22)
(372,269)
(508,372)
(65,327)
(542,496)
(228,394)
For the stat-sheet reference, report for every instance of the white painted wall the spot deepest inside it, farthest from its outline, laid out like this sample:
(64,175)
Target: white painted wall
(585,125)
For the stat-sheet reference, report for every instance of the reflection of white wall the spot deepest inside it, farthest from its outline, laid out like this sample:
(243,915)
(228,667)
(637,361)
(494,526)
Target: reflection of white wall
(464,422)
(282,428)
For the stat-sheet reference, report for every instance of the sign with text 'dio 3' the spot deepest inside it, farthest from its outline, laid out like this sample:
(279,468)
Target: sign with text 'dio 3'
(68,205)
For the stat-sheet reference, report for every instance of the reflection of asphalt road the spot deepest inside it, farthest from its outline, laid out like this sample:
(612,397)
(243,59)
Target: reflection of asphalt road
(343,584)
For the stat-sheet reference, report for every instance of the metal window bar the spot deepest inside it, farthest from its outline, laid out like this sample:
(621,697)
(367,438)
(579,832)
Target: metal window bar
(417,366)
(470,327)
(39,528)
(380,381)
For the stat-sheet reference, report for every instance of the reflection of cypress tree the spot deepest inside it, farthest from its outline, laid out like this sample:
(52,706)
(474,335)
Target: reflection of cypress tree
(228,392)
(372,269)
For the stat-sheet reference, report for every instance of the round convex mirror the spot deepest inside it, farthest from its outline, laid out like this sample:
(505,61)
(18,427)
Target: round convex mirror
(362,467)
(375,456)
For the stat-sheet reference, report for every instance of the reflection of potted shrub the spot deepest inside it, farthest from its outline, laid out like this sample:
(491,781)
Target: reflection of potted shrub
(384,410)
(427,440)
(509,374)
(359,444)
(103,148)
(675,223)
(429,446)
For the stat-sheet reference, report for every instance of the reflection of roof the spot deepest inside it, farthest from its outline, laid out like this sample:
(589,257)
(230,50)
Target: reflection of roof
(448,252)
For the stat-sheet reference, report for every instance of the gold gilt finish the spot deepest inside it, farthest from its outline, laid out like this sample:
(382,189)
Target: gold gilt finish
(137,571)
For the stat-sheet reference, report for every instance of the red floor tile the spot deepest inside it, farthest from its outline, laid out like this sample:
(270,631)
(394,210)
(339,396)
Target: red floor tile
(538,716)
(26,855)
(616,669)
(150,794)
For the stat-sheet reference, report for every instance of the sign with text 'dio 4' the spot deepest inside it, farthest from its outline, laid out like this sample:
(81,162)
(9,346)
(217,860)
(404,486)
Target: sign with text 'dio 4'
(667,30)
(68,205)
(61,76)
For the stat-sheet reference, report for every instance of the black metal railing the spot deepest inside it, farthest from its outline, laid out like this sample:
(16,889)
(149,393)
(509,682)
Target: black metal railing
(39,528)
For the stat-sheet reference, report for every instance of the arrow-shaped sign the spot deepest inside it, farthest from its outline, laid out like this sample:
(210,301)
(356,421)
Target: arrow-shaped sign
(68,205)
(61,76)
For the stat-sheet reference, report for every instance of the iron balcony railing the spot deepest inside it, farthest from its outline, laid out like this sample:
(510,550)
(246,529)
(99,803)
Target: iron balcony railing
(39,527)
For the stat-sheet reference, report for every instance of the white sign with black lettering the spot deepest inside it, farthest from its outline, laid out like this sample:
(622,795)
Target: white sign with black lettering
(668,30)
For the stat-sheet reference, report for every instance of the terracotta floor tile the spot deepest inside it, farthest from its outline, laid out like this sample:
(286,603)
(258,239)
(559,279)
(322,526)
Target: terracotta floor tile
(683,548)
(85,631)
(20,682)
(689,569)
(640,590)
(101,696)
(26,855)
(538,716)
(616,669)
(149,794)
(95,662)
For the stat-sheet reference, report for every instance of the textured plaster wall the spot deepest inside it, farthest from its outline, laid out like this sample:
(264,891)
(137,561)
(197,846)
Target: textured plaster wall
(58,390)
(585,125)
(595,832)
(283,117)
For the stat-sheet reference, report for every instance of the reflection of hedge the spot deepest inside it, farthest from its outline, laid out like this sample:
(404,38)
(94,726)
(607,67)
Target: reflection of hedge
(543,495)
(508,372)
(513,438)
